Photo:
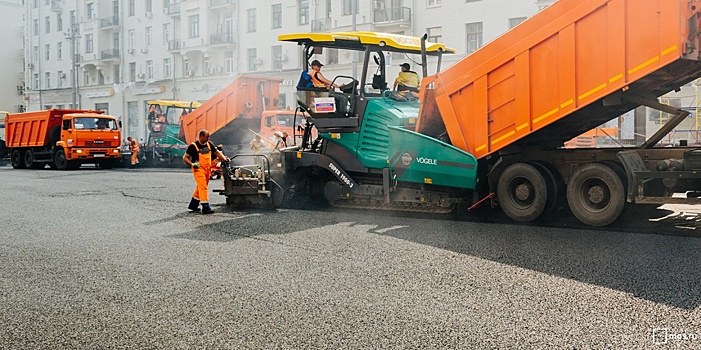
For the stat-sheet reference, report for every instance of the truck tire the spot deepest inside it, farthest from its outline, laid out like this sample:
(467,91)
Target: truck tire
(556,188)
(17,159)
(60,160)
(54,135)
(596,195)
(522,192)
(30,160)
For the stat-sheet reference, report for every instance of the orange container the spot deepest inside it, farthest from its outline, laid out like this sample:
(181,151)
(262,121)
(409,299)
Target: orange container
(544,81)
(245,98)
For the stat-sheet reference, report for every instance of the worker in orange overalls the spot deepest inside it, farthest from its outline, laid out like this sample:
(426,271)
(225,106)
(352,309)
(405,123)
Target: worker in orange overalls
(199,157)
(134,149)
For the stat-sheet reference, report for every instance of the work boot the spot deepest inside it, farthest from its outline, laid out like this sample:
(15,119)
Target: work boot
(194,205)
(206,209)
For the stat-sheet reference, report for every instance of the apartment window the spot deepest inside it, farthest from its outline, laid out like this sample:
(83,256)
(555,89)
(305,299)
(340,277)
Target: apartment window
(90,10)
(277,16)
(149,6)
(47,24)
(434,3)
(72,16)
(435,34)
(88,43)
(149,36)
(251,20)
(35,26)
(149,69)
(229,61)
(348,7)
(37,83)
(47,78)
(167,68)
(35,3)
(252,59)
(132,71)
(194,26)
(474,36)
(166,33)
(277,57)
(35,50)
(131,35)
(515,21)
(59,22)
(47,52)
(61,78)
(132,8)
(303,14)
(59,50)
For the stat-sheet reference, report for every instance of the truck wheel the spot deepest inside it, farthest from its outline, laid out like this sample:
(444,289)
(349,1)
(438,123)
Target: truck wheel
(522,192)
(17,159)
(556,188)
(60,160)
(596,195)
(29,160)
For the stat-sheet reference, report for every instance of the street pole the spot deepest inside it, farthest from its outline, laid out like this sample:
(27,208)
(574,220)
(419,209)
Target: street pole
(72,35)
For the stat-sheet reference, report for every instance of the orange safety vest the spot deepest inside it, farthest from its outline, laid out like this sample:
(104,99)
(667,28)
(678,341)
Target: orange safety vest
(316,81)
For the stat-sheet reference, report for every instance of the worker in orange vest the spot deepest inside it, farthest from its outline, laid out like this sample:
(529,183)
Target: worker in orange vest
(199,157)
(134,149)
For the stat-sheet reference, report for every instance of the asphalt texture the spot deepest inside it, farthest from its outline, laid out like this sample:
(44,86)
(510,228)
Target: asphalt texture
(112,259)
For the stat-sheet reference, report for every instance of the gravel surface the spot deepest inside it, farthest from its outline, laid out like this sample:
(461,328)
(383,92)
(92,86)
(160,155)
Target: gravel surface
(94,259)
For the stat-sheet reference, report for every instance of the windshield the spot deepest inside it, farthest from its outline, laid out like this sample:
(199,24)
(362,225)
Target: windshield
(287,119)
(93,123)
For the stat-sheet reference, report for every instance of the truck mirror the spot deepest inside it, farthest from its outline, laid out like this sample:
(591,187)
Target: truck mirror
(120,124)
(66,125)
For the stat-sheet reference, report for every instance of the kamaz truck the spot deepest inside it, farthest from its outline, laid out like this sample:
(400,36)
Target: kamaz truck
(63,139)
(491,127)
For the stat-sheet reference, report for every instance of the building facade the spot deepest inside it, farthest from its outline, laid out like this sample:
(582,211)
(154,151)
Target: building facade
(12,57)
(117,55)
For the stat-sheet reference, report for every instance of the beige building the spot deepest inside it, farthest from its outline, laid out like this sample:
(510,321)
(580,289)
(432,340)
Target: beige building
(116,55)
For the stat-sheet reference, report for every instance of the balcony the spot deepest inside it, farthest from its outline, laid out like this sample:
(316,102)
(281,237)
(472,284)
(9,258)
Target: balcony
(213,4)
(392,16)
(174,45)
(321,25)
(222,39)
(109,22)
(110,54)
(56,6)
(172,9)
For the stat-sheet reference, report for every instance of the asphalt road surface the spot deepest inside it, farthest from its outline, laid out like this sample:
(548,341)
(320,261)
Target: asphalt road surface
(93,259)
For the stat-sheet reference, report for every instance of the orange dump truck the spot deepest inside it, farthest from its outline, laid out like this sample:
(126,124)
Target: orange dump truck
(571,67)
(63,139)
(230,113)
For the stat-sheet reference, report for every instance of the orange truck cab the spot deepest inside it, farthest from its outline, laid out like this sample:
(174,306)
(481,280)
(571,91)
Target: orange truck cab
(284,121)
(63,139)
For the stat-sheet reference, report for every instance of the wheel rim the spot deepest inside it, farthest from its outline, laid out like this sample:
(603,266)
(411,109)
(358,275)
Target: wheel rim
(522,192)
(595,195)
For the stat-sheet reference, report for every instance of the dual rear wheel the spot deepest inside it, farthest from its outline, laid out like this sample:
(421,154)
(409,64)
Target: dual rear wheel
(530,191)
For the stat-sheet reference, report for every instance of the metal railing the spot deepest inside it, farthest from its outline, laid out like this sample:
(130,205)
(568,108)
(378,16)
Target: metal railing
(394,14)
(173,9)
(109,53)
(228,38)
(174,45)
(109,22)
(216,3)
(321,25)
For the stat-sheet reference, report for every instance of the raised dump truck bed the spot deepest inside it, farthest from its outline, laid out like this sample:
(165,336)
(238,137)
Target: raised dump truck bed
(546,81)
